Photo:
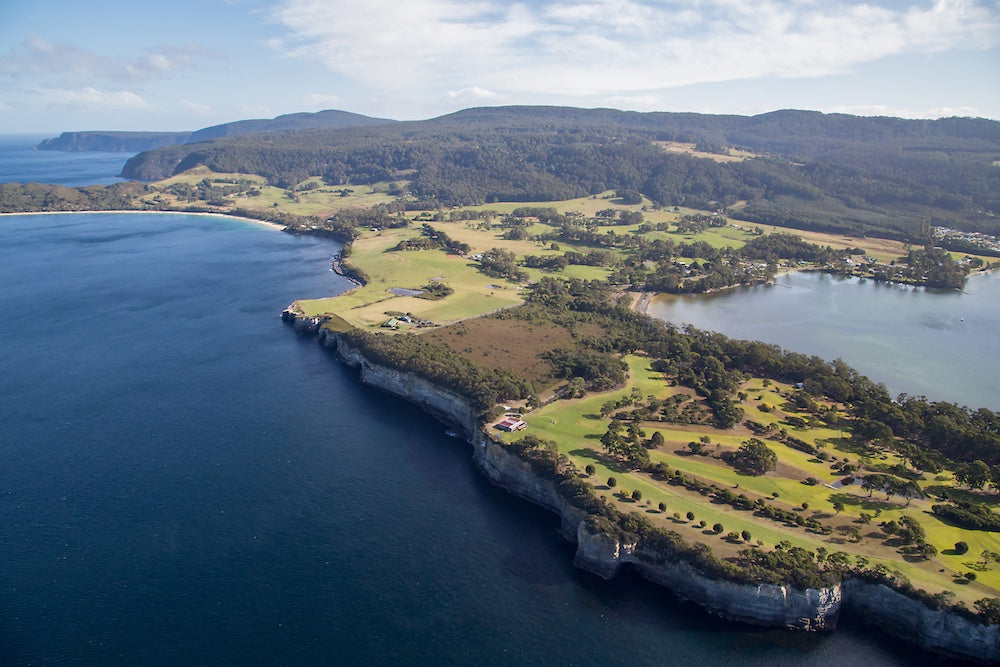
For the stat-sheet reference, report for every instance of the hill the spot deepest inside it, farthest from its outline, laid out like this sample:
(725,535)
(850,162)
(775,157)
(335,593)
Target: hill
(112,142)
(135,142)
(830,172)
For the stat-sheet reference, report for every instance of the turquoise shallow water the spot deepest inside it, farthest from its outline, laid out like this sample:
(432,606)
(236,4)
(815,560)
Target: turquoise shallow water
(185,481)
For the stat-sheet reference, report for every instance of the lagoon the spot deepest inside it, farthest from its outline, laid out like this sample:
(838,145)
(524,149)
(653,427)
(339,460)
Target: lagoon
(940,344)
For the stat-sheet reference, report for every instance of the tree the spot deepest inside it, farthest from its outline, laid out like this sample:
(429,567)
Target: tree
(755,457)
(838,506)
(975,474)
(717,528)
(690,516)
(961,548)
(612,482)
(989,609)
(637,495)
(590,469)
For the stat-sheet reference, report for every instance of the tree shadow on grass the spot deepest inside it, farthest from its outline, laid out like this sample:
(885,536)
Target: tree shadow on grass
(964,495)
(852,500)
(612,464)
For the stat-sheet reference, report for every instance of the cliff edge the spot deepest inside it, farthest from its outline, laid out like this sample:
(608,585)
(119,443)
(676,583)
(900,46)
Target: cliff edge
(604,554)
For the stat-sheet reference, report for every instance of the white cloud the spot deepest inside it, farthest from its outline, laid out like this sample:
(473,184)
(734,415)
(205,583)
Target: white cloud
(35,57)
(901,112)
(200,109)
(473,93)
(91,98)
(615,47)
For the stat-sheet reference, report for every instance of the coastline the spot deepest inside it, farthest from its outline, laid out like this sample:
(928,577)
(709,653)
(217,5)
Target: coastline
(604,550)
(270,225)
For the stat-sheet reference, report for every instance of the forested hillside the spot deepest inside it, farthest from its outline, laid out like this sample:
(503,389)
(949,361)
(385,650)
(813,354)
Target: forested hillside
(883,176)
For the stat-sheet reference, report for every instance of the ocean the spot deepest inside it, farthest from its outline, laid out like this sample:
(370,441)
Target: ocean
(186,481)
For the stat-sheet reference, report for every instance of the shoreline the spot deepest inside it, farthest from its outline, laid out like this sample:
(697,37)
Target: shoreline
(604,553)
(264,223)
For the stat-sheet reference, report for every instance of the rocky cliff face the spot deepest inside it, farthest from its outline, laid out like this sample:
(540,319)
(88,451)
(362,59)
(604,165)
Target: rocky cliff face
(937,630)
(760,604)
(605,555)
(446,405)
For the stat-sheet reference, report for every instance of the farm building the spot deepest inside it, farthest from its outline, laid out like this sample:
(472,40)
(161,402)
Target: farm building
(511,424)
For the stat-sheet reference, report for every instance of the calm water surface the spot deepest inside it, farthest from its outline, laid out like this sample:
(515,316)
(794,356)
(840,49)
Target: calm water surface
(20,163)
(185,481)
(940,344)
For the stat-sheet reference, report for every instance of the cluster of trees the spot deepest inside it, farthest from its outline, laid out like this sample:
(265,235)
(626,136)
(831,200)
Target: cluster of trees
(890,485)
(431,238)
(501,263)
(753,457)
(973,516)
(436,290)
(29,197)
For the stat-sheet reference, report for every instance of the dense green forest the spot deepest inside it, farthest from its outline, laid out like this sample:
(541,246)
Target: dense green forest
(829,172)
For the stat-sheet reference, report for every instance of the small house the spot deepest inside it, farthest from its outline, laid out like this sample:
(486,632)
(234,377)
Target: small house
(511,424)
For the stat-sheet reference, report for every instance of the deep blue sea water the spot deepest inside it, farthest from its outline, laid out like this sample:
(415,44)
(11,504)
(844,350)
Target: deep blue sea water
(184,481)
(20,163)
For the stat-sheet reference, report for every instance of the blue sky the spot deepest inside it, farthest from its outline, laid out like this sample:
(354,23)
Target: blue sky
(186,64)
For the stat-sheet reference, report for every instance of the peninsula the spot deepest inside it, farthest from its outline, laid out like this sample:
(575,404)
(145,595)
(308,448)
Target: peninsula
(499,255)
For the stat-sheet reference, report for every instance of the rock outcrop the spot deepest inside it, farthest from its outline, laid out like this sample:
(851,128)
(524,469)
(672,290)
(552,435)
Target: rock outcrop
(604,554)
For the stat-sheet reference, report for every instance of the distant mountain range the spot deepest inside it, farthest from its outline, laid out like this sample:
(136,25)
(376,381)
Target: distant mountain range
(135,142)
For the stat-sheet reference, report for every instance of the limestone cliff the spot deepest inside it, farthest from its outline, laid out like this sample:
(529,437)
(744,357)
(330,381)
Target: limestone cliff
(760,604)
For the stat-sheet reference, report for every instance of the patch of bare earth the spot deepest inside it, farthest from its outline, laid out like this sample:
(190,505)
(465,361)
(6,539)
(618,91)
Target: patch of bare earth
(513,345)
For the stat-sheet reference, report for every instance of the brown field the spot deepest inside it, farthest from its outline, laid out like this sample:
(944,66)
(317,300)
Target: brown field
(513,345)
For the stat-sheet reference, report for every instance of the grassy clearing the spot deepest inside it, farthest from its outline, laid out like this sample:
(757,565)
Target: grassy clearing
(685,148)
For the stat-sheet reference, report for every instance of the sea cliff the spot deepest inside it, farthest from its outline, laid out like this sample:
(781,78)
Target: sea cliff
(605,554)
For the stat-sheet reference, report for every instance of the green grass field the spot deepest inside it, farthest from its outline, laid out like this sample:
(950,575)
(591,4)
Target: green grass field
(576,426)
